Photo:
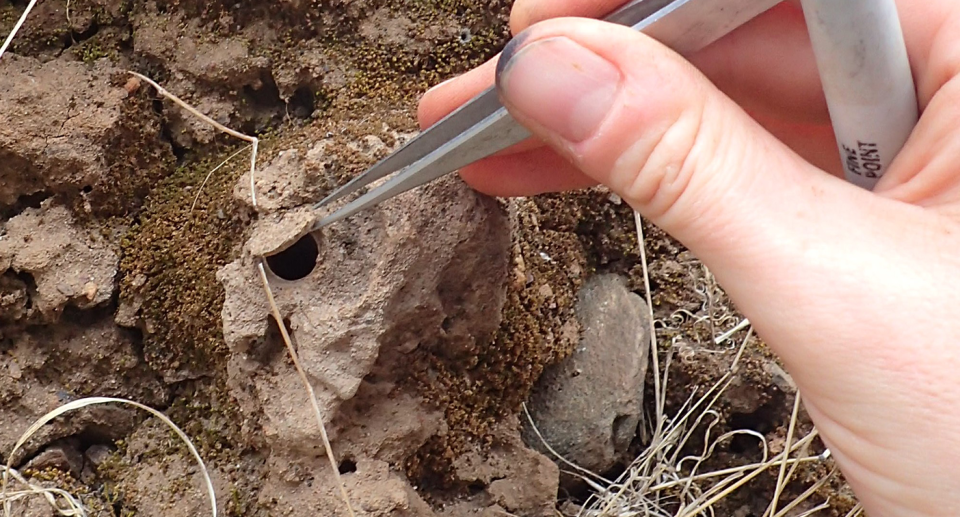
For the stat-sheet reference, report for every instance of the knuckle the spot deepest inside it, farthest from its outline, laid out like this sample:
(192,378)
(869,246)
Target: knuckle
(662,178)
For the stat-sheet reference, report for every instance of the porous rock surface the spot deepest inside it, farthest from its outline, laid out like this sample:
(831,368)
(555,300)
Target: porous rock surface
(66,265)
(386,281)
(588,406)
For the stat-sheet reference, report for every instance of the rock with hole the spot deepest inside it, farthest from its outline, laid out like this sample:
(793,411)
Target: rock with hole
(382,278)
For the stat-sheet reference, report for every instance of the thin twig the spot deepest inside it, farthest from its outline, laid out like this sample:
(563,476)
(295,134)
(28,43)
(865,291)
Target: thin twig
(654,349)
(783,466)
(16,28)
(808,493)
(578,468)
(306,382)
(210,174)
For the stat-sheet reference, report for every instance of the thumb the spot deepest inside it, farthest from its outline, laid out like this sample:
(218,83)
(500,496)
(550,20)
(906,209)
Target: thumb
(784,238)
(637,117)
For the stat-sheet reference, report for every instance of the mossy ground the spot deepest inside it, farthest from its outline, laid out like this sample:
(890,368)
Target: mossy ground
(547,270)
(170,260)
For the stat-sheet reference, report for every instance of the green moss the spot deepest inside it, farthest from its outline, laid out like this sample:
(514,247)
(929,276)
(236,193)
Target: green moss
(170,260)
(90,51)
(538,314)
(211,419)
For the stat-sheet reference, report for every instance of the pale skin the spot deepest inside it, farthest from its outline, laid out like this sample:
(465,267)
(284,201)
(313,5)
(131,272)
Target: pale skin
(858,292)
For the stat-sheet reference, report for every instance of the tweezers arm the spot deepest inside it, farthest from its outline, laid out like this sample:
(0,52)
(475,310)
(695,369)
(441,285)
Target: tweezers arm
(483,106)
(483,127)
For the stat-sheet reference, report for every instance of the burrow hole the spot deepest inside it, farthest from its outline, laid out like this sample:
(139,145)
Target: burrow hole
(347,466)
(297,261)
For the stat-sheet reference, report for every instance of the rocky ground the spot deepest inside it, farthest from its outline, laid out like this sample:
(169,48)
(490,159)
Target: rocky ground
(128,270)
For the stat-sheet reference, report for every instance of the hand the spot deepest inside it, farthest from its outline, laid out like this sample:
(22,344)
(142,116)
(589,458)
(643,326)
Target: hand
(858,292)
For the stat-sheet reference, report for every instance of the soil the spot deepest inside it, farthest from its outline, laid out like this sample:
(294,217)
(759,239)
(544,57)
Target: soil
(128,269)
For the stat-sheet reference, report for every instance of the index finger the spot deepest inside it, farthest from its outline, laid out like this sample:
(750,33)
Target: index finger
(528,12)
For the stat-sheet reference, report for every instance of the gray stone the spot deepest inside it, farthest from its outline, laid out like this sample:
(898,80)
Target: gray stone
(62,456)
(588,407)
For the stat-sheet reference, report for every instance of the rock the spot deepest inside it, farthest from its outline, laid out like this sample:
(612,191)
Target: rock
(66,130)
(781,378)
(426,269)
(70,267)
(587,407)
(514,477)
(62,455)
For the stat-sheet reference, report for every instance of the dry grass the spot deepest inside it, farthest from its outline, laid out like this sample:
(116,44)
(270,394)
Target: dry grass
(664,482)
(60,500)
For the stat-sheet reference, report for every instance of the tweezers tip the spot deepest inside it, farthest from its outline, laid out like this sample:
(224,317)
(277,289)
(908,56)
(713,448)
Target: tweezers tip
(318,225)
(336,194)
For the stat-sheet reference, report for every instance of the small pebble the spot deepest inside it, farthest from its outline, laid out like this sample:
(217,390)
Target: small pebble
(133,84)
(15,371)
(90,290)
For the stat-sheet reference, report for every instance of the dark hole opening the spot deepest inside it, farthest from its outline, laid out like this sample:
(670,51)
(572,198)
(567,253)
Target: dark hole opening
(297,261)
(347,466)
(476,487)
(764,420)
(302,104)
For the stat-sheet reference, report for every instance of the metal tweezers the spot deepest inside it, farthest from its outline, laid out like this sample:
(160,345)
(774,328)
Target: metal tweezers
(482,127)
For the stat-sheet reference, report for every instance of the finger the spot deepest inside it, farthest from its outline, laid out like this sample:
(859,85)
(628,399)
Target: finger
(798,250)
(774,81)
(527,173)
(443,99)
(926,171)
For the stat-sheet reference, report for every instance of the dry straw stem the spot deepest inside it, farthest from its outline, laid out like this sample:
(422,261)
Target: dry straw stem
(73,506)
(659,392)
(16,28)
(590,477)
(782,479)
(210,174)
(268,291)
(303,377)
(254,141)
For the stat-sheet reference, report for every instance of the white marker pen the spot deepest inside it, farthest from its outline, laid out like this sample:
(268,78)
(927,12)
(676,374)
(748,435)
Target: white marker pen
(867,80)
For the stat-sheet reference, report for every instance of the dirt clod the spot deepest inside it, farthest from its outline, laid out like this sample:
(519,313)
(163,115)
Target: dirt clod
(52,263)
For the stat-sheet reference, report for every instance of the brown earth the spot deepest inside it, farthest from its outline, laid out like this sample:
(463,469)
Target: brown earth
(125,272)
